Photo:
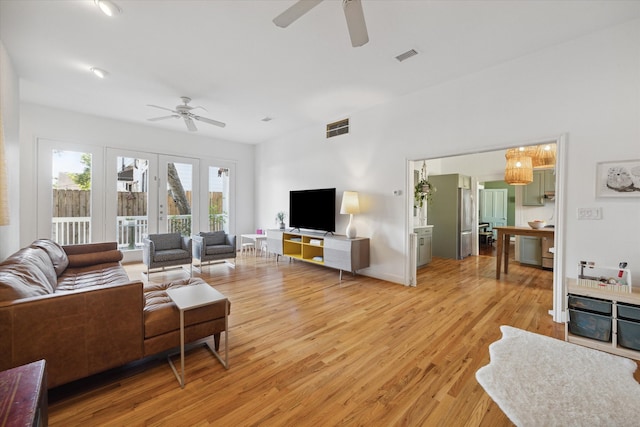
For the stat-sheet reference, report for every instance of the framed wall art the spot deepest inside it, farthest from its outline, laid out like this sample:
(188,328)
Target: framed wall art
(618,179)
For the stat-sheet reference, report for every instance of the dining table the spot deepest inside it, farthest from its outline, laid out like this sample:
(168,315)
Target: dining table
(504,238)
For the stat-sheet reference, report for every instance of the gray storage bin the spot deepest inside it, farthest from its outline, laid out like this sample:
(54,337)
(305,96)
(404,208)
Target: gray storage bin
(592,305)
(590,325)
(629,312)
(629,334)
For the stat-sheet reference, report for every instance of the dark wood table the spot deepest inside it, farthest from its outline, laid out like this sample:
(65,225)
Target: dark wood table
(504,236)
(23,395)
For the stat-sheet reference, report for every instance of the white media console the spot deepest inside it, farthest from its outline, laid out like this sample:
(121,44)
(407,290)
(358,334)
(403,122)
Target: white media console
(335,251)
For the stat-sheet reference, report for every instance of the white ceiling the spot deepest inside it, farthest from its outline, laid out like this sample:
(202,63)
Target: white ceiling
(231,59)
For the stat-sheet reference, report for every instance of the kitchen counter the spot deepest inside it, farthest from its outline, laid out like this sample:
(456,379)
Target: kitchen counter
(504,236)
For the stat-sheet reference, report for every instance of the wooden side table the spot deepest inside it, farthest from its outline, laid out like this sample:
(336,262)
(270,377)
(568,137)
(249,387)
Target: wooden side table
(23,395)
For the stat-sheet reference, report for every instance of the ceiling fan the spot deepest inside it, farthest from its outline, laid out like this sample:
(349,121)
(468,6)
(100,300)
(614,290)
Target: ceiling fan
(352,12)
(184,112)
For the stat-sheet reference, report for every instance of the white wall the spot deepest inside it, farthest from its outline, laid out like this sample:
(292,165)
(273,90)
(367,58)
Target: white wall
(9,106)
(55,124)
(588,89)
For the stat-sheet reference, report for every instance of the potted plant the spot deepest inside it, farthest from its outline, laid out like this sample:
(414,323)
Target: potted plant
(280,218)
(423,190)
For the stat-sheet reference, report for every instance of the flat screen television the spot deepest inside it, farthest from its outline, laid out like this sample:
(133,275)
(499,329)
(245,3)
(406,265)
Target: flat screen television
(313,209)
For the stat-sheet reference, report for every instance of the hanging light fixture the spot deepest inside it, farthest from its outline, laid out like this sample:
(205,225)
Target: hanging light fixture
(544,155)
(519,168)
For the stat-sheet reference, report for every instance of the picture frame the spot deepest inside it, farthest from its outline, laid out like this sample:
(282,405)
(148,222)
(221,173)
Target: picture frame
(618,179)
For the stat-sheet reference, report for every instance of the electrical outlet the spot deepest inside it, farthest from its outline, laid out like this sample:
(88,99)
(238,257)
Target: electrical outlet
(589,213)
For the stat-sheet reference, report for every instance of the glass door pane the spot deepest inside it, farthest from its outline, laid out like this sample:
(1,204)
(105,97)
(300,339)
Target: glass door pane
(71,197)
(132,200)
(176,208)
(218,199)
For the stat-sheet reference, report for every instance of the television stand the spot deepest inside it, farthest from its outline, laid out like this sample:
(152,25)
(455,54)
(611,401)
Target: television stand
(335,251)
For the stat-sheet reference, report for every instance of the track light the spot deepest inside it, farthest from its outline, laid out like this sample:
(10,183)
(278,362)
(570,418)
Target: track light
(108,7)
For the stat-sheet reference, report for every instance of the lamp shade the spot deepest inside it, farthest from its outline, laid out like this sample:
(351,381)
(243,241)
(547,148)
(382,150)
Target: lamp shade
(518,171)
(350,203)
(519,168)
(544,155)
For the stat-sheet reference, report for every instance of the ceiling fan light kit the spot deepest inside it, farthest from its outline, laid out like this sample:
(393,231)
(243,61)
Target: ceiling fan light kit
(184,111)
(98,72)
(108,7)
(352,12)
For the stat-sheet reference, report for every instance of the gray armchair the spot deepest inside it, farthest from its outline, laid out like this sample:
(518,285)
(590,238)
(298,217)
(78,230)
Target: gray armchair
(214,246)
(166,250)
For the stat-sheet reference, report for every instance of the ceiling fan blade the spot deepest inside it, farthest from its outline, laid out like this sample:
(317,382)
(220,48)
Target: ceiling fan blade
(155,119)
(355,22)
(190,125)
(162,108)
(210,121)
(298,9)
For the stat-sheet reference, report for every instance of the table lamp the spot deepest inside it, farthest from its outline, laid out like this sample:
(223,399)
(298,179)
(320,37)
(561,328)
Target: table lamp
(350,205)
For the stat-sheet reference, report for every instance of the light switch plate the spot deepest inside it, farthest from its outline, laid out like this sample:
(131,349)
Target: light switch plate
(589,213)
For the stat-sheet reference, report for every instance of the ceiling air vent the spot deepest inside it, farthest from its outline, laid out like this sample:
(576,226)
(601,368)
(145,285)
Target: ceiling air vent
(338,128)
(408,54)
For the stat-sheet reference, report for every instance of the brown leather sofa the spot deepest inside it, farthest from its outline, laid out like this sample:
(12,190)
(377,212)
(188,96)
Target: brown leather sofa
(75,307)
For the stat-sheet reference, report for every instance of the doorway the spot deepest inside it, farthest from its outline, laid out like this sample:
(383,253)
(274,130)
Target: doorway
(489,166)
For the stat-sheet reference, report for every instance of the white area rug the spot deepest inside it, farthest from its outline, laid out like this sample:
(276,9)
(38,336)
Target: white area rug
(542,381)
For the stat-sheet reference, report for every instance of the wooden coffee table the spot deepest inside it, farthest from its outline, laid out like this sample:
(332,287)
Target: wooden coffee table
(189,298)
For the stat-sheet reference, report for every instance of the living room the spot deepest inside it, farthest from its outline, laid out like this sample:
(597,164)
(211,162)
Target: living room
(583,88)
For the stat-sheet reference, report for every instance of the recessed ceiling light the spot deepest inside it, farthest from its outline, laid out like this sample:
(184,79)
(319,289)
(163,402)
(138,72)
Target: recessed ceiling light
(108,7)
(99,72)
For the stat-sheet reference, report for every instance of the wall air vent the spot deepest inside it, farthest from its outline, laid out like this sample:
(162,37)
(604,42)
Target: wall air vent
(338,128)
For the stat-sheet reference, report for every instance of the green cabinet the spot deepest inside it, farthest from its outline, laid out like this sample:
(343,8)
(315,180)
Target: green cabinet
(544,181)
(530,250)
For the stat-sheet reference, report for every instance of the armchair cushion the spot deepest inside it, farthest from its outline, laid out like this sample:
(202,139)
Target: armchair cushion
(166,241)
(171,255)
(219,249)
(214,238)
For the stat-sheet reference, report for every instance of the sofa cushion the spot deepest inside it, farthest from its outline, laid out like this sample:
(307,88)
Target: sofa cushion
(27,273)
(57,255)
(219,249)
(214,238)
(94,258)
(166,241)
(161,315)
(94,275)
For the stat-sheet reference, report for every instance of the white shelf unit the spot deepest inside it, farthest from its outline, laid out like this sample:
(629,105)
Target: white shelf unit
(335,251)
(629,299)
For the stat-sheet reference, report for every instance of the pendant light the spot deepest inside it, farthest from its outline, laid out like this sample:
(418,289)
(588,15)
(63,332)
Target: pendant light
(519,168)
(544,155)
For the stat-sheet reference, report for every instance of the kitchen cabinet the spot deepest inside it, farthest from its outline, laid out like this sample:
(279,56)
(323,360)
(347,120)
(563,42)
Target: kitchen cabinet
(425,237)
(547,257)
(544,181)
(530,250)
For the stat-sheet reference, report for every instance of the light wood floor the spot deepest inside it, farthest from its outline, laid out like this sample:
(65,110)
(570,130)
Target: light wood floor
(309,350)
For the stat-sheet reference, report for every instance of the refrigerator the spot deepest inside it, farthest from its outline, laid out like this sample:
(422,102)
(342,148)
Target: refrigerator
(451,214)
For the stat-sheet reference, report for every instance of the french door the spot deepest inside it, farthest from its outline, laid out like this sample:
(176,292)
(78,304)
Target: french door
(154,193)
(92,194)
(149,193)
(69,207)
